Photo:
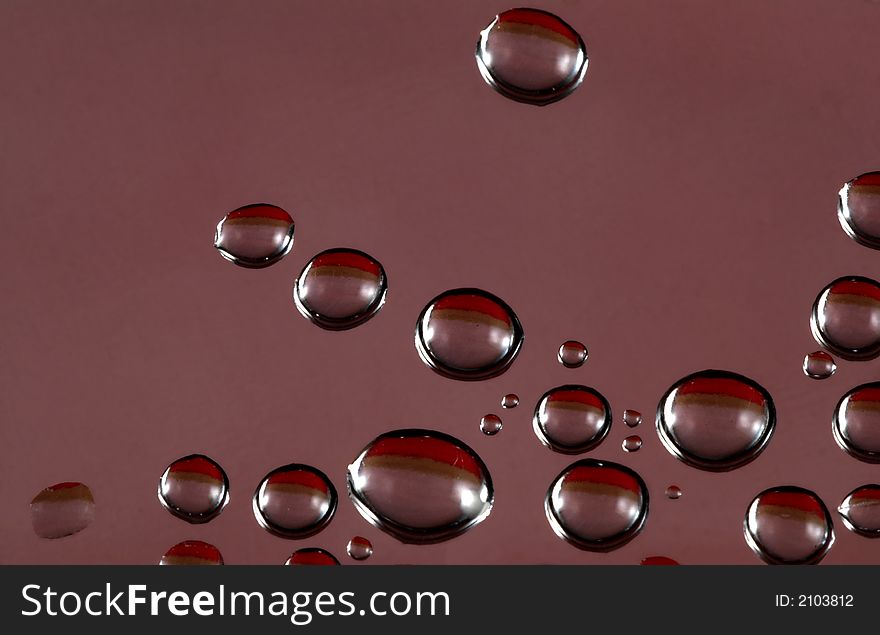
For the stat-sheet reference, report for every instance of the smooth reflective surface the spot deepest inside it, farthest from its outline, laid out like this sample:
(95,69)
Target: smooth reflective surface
(491,425)
(632,443)
(62,510)
(572,419)
(856,422)
(359,548)
(846,318)
(312,556)
(858,209)
(788,525)
(673,492)
(255,236)
(192,552)
(819,365)
(572,354)
(632,418)
(860,511)
(658,560)
(194,488)
(509,401)
(294,501)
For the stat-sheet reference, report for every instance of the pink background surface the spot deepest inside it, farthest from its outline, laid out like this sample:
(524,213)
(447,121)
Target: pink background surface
(676,213)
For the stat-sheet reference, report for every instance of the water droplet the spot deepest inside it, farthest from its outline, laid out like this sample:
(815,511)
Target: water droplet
(859,209)
(572,354)
(359,548)
(632,443)
(255,236)
(294,501)
(819,365)
(509,401)
(572,419)
(597,505)
(716,420)
(673,492)
(856,423)
(491,425)
(788,525)
(468,334)
(311,556)
(846,318)
(531,56)
(659,560)
(632,418)
(194,488)
(340,288)
(420,486)
(62,510)
(860,511)
(192,552)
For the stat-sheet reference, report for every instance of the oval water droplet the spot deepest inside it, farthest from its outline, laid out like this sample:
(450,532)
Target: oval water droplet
(340,288)
(468,334)
(819,365)
(420,486)
(858,209)
(359,548)
(531,56)
(658,560)
(788,525)
(846,318)
(255,236)
(192,552)
(572,354)
(572,419)
(673,492)
(294,501)
(312,556)
(62,510)
(632,443)
(491,425)
(194,488)
(509,400)
(860,511)
(716,420)
(632,418)
(856,422)
(597,505)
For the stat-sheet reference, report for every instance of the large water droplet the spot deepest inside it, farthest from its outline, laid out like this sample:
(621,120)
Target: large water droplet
(572,354)
(856,423)
(632,418)
(572,419)
(860,511)
(194,488)
(716,420)
(359,548)
(192,552)
(597,505)
(491,425)
(632,443)
(788,525)
(673,492)
(62,510)
(340,288)
(294,501)
(255,236)
(846,318)
(531,56)
(312,556)
(468,334)
(859,209)
(420,486)
(819,365)
(658,560)
(509,400)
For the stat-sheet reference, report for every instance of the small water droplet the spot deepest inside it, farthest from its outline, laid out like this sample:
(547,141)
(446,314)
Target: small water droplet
(856,423)
(420,486)
(819,365)
(788,525)
(359,548)
(572,354)
(658,560)
(531,56)
(340,288)
(632,418)
(311,556)
(294,501)
(194,488)
(255,236)
(597,505)
(632,443)
(62,510)
(716,420)
(673,492)
(468,334)
(572,419)
(859,209)
(509,400)
(192,552)
(860,511)
(846,318)
(491,425)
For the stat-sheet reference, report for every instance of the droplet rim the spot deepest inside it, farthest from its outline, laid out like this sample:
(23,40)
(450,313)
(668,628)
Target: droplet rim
(844,215)
(848,522)
(818,376)
(317,550)
(587,446)
(577,364)
(853,355)
(200,518)
(866,456)
(262,263)
(291,534)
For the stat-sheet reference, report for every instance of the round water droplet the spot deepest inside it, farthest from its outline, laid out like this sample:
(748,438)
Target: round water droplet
(846,318)
(491,425)
(788,525)
(716,420)
(340,288)
(311,556)
(468,334)
(632,418)
(856,423)
(420,486)
(673,492)
(860,511)
(572,354)
(658,560)
(294,501)
(572,419)
(531,56)
(192,552)
(819,365)
(255,236)
(858,209)
(194,488)
(597,505)
(359,548)
(632,443)
(62,510)
(509,401)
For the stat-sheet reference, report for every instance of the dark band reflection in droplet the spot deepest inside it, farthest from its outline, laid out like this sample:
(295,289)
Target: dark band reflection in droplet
(192,552)
(572,419)
(846,318)
(359,548)
(312,556)
(295,501)
(856,422)
(819,365)
(255,236)
(788,525)
(62,510)
(859,209)
(194,488)
(860,511)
